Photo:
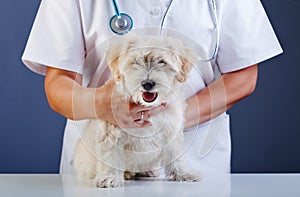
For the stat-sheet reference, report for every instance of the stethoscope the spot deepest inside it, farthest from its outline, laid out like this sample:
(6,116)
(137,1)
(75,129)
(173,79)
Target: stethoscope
(122,23)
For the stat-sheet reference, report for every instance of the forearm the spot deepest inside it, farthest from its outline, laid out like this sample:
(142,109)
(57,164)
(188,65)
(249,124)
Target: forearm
(66,95)
(220,95)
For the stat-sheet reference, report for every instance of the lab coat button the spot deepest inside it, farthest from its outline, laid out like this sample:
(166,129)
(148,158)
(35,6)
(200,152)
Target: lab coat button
(156,11)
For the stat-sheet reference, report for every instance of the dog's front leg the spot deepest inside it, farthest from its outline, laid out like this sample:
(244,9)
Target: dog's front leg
(176,171)
(176,165)
(109,165)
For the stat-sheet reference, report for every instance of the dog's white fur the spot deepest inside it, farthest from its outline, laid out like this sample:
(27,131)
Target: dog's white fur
(106,151)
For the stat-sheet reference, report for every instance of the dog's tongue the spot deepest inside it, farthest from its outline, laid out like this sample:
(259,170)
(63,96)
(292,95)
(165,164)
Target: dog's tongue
(149,96)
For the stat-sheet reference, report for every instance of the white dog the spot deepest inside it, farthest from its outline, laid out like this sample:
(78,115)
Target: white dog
(148,70)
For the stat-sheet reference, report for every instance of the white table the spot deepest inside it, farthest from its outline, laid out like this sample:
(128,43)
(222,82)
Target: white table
(239,185)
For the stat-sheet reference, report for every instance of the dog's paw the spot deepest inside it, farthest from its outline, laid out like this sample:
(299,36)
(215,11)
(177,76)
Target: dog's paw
(108,181)
(185,177)
(151,173)
(129,175)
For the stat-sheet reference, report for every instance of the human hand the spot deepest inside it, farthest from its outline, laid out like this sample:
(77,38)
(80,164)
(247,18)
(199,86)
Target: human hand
(115,108)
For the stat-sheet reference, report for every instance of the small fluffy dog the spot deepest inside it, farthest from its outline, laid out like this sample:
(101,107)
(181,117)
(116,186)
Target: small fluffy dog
(148,70)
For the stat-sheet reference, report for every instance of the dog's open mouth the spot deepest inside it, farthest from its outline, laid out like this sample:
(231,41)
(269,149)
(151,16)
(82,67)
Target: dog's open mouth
(149,96)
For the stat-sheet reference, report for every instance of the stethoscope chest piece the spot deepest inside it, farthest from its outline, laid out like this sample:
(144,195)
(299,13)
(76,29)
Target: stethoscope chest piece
(121,24)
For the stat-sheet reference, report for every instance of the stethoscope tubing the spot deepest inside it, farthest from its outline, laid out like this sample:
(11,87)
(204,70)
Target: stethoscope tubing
(213,9)
(116,7)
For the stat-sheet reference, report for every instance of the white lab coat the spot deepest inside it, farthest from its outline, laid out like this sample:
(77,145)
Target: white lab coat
(69,35)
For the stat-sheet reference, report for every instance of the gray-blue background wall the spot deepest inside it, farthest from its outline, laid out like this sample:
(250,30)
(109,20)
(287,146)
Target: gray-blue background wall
(265,126)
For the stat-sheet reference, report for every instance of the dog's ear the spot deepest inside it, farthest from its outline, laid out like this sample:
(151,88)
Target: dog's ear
(184,56)
(113,56)
(186,60)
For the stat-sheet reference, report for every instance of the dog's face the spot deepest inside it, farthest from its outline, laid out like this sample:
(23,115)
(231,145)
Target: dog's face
(149,67)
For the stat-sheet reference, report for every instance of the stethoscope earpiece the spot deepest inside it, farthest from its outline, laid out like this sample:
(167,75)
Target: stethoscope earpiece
(121,24)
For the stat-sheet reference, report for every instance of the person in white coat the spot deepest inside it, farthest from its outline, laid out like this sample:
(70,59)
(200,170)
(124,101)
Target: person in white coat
(66,34)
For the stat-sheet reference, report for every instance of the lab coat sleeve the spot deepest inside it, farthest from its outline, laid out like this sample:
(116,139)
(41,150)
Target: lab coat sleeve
(246,35)
(56,38)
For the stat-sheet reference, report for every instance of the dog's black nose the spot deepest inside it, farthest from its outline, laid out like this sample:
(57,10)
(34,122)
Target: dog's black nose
(148,85)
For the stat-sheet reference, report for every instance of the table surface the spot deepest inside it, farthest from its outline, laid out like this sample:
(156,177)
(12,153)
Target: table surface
(56,185)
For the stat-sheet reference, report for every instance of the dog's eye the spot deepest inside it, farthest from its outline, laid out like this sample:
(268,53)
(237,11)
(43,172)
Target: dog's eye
(162,62)
(138,62)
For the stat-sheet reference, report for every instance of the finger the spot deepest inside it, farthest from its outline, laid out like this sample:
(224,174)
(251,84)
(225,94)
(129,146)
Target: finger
(128,122)
(157,110)
(149,112)
(142,115)
(139,108)
(141,124)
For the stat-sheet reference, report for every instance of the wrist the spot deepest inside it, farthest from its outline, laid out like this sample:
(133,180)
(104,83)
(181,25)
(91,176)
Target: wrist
(102,103)
(83,103)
